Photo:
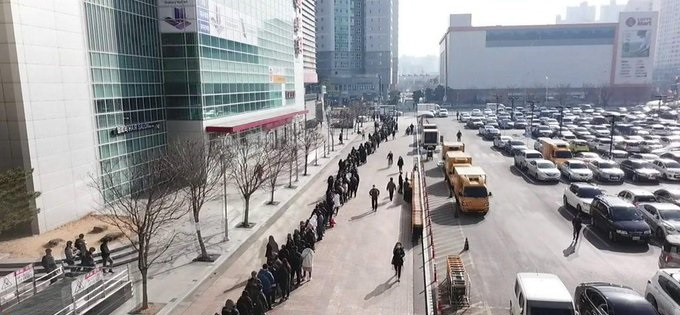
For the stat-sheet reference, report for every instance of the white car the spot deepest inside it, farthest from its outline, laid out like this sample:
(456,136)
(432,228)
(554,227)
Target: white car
(662,291)
(576,170)
(484,129)
(606,171)
(650,145)
(543,170)
(603,145)
(464,117)
(443,113)
(499,142)
(668,168)
(587,156)
(662,218)
(522,158)
(580,195)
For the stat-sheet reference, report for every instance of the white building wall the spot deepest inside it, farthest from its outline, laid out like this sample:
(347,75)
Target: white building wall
(471,65)
(45,52)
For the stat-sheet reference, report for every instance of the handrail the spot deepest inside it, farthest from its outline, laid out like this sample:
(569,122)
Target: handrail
(107,287)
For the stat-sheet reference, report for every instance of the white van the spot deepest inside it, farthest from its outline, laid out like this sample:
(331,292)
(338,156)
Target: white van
(541,293)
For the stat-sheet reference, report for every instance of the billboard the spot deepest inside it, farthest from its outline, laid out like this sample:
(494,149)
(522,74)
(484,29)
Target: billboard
(635,48)
(177,16)
(217,19)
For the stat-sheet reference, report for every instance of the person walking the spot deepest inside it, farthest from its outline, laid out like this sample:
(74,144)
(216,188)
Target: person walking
(81,245)
(400,163)
(68,254)
(230,308)
(307,262)
(390,159)
(374,193)
(459,135)
(401,183)
(49,264)
(340,138)
(106,255)
(398,259)
(577,223)
(391,187)
(394,133)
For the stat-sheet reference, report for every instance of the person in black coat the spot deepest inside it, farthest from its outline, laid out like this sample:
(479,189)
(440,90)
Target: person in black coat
(244,305)
(398,259)
(296,265)
(230,308)
(283,279)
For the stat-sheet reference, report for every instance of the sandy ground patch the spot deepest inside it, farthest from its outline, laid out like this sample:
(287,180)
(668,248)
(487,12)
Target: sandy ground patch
(32,247)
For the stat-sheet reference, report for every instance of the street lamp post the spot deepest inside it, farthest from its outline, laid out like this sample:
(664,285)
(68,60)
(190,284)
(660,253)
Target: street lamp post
(497,102)
(531,122)
(659,98)
(561,108)
(546,90)
(512,105)
(613,118)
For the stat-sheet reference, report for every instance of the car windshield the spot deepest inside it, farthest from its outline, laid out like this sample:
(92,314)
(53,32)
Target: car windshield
(575,166)
(644,165)
(516,142)
(607,165)
(625,214)
(475,192)
(649,198)
(673,215)
(589,192)
(563,154)
(534,156)
(545,165)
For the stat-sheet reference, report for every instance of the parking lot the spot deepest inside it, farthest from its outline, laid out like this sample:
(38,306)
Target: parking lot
(528,230)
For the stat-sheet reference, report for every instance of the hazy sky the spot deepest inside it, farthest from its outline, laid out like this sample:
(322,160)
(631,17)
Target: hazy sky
(422,23)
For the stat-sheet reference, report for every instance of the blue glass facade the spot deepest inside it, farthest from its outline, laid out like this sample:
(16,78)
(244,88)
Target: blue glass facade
(127,83)
(565,36)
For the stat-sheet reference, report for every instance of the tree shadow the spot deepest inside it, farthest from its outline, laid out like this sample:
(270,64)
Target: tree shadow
(380,289)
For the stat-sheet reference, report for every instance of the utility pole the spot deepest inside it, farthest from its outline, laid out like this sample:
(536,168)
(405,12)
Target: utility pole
(561,118)
(512,99)
(613,118)
(497,102)
(531,121)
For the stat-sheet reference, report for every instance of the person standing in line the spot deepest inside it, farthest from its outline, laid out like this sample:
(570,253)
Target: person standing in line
(283,279)
(577,223)
(106,255)
(48,263)
(68,254)
(398,259)
(81,245)
(272,249)
(391,187)
(374,193)
(229,308)
(307,262)
(268,284)
(244,304)
(400,163)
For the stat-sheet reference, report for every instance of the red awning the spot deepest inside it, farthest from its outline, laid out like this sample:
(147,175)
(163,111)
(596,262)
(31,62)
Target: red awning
(245,124)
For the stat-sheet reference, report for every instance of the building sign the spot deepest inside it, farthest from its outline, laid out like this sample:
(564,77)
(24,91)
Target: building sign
(177,16)
(134,127)
(217,18)
(276,75)
(297,27)
(635,48)
(85,281)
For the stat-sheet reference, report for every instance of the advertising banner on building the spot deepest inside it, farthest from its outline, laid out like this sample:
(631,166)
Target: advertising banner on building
(635,48)
(177,16)
(217,18)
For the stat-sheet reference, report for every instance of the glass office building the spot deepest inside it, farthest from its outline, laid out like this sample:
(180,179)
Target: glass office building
(127,82)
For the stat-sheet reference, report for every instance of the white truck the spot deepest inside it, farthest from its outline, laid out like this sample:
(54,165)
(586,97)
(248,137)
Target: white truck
(429,107)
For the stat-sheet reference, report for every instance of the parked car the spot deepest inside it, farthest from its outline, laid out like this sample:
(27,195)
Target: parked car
(650,145)
(636,196)
(540,293)
(500,141)
(522,158)
(587,156)
(513,145)
(576,170)
(580,195)
(663,218)
(600,298)
(578,145)
(491,133)
(668,168)
(618,219)
(668,195)
(463,117)
(673,155)
(606,171)
(663,291)
(443,113)
(474,123)
(543,170)
(639,170)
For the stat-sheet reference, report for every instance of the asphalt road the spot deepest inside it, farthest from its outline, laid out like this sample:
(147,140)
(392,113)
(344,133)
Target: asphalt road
(526,230)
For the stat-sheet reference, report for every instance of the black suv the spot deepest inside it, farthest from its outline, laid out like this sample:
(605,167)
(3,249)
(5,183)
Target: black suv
(619,219)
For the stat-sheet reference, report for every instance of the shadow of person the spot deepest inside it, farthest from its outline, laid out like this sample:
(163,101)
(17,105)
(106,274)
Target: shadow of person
(570,250)
(380,289)
(357,217)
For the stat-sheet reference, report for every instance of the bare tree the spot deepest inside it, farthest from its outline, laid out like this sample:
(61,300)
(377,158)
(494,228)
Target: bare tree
(141,201)
(563,93)
(293,145)
(198,170)
(309,140)
(246,163)
(606,91)
(274,165)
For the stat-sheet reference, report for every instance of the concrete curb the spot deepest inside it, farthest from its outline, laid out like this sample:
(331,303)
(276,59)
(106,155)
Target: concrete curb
(225,261)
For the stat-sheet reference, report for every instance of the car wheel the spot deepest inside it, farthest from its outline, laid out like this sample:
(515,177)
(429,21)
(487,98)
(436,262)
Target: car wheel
(611,236)
(652,301)
(659,233)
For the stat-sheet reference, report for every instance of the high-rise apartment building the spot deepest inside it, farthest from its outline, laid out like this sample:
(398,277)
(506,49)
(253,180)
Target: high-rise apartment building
(609,13)
(667,62)
(357,47)
(583,13)
(92,86)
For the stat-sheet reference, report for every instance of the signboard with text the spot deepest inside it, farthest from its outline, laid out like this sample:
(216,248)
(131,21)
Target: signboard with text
(217,18)
(177,16)
(85,281)
(635,48)
(24,274)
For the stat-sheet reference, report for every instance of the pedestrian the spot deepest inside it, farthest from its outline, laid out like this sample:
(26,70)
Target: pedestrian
(283,279)
(401,183)
(81,245)
(244,304)
(390,158)
(229,308)
(68,254)
(254,287)
(272,249)
(319,225)
(400,163)
(307,262)
(296,266)
(88,259)
(394,133)
(340,138)
(577,223)
(48,263)
(374,193)
(398,259)
(106,255)
(268,284)
(391,187)
(459,135)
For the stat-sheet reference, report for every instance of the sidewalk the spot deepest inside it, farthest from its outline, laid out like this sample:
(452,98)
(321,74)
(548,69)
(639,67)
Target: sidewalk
(175,277)
(352,272)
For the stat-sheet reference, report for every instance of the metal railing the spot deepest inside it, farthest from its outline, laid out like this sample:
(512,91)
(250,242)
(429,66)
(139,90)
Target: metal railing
(21,292)
(91,296)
